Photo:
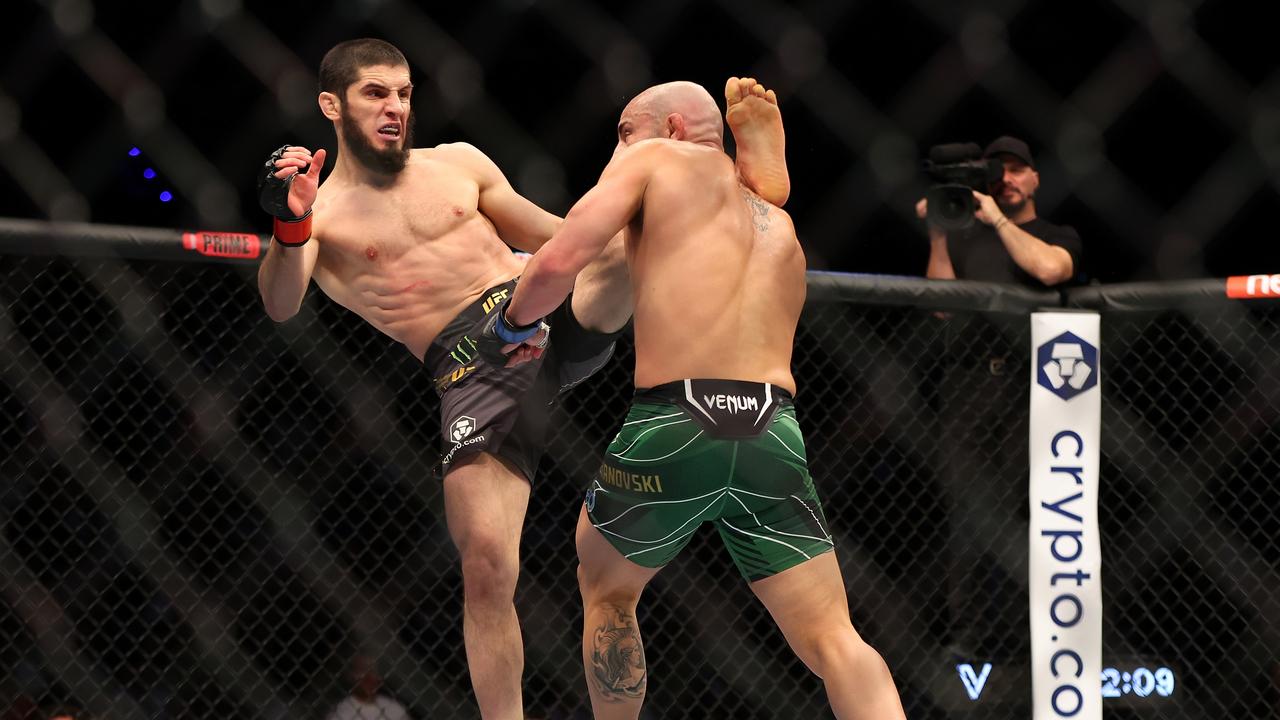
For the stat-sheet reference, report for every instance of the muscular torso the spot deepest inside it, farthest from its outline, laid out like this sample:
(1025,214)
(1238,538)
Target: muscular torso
(718,276)
(409,256)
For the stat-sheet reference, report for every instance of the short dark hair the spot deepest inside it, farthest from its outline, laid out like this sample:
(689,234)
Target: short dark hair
(344,61)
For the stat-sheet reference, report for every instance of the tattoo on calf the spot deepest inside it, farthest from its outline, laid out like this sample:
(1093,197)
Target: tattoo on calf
(759,211)
(617,657)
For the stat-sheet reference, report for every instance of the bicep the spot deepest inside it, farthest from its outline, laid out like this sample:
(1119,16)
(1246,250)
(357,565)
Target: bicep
(609,206)
(601,214)
(520,222)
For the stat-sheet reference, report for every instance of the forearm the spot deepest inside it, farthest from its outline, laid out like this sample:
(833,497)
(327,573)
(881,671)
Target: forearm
(545,283)
(1047,263)
(939,267)
(283,278)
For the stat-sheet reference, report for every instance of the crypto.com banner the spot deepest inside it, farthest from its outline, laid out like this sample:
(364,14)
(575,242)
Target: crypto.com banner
(1065,580)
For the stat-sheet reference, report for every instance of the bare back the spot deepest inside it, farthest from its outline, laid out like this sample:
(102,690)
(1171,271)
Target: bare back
(407,257)
(717,273)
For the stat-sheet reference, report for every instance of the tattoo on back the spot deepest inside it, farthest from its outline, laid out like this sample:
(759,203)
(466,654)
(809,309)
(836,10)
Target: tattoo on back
(617,658)
(759,211)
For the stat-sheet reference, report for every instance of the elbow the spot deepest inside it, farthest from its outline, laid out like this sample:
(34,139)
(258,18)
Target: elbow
(1056,273)
(559,266)
(277,311)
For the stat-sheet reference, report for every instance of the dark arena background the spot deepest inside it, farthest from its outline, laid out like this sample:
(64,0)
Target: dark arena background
(205,514)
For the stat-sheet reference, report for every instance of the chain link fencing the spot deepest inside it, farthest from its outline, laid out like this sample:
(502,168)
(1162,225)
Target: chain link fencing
(209,515)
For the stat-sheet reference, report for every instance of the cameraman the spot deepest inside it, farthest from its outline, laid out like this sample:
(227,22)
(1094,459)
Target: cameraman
(1009,243)
(980,453)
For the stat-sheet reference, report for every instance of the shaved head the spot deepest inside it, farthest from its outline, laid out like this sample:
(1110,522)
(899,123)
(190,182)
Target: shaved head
(700,118)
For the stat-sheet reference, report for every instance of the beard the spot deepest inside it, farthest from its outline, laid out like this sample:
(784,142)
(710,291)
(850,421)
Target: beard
(389,161)
(1012,207)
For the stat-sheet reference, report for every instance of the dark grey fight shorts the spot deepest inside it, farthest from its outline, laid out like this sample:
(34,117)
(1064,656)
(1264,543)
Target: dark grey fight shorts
(504,411)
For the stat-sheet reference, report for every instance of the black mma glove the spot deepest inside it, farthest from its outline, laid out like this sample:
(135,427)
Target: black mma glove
(273,195)
(494,333)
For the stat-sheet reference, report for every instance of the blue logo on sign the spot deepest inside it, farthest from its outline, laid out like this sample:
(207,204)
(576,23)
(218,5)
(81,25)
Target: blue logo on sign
(1067,366)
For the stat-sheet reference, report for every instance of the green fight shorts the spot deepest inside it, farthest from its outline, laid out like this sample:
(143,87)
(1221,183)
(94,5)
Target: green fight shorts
(728,452)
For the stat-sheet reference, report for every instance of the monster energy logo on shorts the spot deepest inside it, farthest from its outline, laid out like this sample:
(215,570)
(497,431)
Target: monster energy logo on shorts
(462,351)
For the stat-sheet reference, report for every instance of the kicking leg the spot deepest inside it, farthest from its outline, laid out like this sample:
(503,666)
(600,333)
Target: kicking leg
(808,602)
(753,117)
(485,504)
(602,292)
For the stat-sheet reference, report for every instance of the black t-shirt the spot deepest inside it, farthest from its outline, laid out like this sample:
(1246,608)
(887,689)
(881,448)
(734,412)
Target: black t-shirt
(978,253)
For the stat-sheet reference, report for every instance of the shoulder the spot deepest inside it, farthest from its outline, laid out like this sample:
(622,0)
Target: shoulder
(1063,236)
(665,148)
(466,158)
(1053,230)
(391,709)
(667,156)
(458,153)
(761,206)
(344,710)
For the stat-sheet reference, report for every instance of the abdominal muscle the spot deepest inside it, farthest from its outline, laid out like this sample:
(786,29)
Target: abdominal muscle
(412,296)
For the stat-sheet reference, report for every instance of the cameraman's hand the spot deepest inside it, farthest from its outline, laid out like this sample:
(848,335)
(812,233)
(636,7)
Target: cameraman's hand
(936,234)
(987,211)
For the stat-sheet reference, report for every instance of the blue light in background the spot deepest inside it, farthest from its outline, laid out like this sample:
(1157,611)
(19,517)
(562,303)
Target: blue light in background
(148,173)
(134,152)
(166,196)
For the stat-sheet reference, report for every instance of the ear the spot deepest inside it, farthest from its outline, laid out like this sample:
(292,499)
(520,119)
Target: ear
(675,126)
(330,105)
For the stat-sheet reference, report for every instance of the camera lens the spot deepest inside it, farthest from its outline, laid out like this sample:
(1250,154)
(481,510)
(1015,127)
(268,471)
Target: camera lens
(951,207)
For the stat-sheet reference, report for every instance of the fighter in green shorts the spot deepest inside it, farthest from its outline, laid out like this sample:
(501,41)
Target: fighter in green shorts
(729,452)
(717,285)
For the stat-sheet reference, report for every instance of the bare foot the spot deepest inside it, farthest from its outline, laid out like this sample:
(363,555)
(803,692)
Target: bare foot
(753,117)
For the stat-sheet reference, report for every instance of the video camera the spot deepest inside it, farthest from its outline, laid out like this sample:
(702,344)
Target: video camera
(957,169)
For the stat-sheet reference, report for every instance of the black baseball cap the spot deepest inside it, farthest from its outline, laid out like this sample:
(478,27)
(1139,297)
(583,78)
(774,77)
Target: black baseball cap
(1010,146)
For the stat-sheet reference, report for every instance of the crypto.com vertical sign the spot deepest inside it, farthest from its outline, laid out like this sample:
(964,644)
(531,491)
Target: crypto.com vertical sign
(1065,579)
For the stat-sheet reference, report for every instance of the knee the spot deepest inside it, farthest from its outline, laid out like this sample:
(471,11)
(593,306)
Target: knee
(597,589)
(489,573)
(844,653)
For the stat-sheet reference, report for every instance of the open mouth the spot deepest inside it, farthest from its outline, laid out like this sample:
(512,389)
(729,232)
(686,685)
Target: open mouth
(390,131)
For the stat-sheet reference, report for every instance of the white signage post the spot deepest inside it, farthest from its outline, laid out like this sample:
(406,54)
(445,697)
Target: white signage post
(1065,561)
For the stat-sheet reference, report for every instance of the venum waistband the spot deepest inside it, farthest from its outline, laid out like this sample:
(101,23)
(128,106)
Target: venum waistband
(725,409)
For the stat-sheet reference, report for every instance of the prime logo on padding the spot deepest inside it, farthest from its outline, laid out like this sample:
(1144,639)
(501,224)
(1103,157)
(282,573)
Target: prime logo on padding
(1067,366)
(462,427)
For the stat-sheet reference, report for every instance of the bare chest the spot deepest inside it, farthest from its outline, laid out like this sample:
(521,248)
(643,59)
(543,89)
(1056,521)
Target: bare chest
(376,227)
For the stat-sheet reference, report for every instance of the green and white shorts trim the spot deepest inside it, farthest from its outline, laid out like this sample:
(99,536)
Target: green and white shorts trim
(669,470)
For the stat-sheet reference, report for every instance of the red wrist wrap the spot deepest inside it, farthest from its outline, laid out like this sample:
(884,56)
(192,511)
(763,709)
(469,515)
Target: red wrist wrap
(292,234)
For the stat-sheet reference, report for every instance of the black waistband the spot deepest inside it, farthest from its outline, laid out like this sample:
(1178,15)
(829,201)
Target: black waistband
(676,390)
(724,408)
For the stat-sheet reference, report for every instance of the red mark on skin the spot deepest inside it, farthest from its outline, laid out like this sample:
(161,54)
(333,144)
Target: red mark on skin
(457,211)
(371,253)
(413,285)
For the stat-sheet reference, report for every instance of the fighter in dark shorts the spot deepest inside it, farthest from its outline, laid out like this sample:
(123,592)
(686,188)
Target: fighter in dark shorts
(504,411)
(727,452)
